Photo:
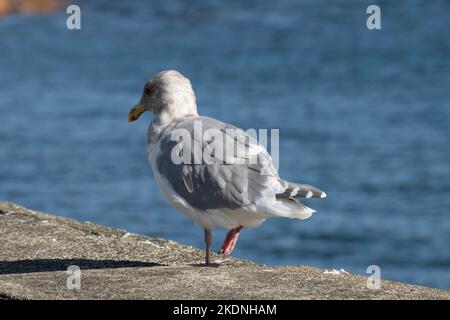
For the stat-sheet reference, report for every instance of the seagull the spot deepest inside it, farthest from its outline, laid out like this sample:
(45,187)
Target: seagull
(231,190)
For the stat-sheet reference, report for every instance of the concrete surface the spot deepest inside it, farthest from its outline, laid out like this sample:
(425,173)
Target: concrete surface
(36,250)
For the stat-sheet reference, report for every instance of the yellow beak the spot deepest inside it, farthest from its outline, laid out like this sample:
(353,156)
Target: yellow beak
(136,112)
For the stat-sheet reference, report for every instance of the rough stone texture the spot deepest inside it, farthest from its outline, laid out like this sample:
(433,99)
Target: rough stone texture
(37,248)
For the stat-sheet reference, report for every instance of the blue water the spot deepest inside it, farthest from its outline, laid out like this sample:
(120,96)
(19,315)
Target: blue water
(364,115)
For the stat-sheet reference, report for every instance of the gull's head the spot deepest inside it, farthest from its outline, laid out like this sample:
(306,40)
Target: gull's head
(169,95)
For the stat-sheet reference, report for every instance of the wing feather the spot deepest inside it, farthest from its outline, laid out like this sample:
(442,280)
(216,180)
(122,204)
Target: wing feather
(232,181)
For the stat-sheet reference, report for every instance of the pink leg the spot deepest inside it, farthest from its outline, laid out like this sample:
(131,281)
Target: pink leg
(208,239)
(230,241)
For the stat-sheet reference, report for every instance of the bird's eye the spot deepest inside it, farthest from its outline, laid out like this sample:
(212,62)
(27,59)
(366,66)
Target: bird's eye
(147,90)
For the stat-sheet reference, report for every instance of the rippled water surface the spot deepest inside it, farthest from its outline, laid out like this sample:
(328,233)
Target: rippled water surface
(365,115)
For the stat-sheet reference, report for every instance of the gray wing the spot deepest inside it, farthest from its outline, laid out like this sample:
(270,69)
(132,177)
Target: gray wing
(231,180)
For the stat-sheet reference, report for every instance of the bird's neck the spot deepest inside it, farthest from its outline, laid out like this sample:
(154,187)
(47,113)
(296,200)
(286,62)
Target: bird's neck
(169,116)
(163,120)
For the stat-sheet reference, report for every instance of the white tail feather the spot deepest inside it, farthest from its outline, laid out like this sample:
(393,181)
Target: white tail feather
(292,209)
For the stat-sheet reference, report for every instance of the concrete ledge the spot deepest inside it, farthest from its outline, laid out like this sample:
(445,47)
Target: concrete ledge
(37,248)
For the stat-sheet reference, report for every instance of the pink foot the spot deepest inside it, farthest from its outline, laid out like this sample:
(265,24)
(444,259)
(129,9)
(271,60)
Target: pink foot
(230,241)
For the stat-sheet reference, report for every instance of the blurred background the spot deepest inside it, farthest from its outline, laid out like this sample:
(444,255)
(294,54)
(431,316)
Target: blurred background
(364,115)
